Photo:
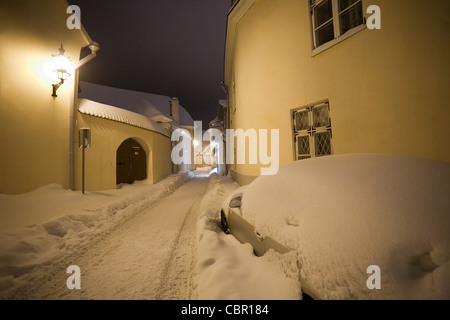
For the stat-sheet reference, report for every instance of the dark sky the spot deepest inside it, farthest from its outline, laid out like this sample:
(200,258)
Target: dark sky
(168,47)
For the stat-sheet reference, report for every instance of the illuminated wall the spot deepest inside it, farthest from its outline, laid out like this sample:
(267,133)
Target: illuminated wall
(34,130)
(388,89)
(106,137)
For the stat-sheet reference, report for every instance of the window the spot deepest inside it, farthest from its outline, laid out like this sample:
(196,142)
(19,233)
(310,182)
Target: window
(312,131)
(334,20)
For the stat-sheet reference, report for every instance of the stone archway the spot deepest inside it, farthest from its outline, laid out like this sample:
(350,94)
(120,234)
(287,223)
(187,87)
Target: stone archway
(131,162)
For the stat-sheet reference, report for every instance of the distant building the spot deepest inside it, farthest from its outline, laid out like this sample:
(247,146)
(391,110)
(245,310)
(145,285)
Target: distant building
(314,70)
(130,134)
(217,151)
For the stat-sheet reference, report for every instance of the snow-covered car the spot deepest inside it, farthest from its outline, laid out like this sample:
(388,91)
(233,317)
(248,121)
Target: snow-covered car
(363,226)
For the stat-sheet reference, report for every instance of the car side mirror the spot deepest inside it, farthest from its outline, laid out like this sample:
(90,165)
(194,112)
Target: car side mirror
(236,201)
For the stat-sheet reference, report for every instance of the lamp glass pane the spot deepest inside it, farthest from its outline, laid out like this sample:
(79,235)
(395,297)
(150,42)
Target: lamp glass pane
(62,66)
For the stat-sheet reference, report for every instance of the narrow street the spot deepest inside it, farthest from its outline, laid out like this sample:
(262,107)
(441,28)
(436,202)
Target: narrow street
(150,256)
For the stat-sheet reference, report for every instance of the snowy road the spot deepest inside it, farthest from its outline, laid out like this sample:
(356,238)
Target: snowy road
(151,256)
(138,242)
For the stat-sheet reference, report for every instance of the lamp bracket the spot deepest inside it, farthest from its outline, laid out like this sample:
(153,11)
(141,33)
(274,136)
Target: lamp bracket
(56,87)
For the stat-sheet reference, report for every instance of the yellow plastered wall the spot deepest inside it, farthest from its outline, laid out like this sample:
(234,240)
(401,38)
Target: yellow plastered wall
(100,158)
(34,130)
(388,89)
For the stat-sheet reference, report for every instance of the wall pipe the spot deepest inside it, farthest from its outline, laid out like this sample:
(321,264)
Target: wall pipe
(94,46)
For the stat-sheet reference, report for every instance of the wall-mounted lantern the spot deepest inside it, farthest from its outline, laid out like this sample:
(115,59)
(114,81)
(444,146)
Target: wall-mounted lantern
(62,66)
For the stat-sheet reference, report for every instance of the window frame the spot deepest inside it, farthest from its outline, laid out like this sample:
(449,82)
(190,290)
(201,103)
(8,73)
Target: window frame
(315,50)
(311,131)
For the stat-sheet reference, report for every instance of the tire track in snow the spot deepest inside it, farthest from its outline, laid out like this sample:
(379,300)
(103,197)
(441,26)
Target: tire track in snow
(150,256)
(177,275)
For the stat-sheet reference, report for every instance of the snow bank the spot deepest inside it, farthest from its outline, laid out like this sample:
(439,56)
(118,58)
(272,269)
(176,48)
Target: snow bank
(345,213)
(49,223)
(227,269)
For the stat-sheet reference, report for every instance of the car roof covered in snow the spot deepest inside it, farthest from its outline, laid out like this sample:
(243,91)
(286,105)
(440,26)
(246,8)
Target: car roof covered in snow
(344,213)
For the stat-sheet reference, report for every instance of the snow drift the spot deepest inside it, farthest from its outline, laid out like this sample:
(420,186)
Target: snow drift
(342,214)
(50,223)
(229,270)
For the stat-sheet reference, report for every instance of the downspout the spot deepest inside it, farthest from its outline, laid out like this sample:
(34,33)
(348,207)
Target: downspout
(225,125)
(94,46)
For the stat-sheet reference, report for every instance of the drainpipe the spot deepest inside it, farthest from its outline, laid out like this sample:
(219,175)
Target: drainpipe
(225,125)
(94,46)
(172,145)
(174,109)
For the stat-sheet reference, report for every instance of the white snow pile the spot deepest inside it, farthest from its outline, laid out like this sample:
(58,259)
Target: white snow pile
(340,215)
(344,213)
(60,221)
(229,270)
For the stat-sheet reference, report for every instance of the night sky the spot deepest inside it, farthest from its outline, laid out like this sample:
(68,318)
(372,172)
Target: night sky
(169,47)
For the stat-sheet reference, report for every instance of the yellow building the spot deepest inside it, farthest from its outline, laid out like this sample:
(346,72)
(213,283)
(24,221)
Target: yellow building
(36,128)
(40,121)
(130,135)
(340,76)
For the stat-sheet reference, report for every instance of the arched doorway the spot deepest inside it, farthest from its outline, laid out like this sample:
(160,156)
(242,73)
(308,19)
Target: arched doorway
(131,162)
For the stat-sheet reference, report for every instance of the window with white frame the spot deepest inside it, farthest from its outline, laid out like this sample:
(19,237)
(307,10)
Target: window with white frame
(312,131)
(332,19)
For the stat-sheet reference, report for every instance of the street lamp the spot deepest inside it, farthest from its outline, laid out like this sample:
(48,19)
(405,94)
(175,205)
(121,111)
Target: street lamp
(61,65)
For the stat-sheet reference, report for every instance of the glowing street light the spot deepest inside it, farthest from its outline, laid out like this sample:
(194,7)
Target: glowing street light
(62,66)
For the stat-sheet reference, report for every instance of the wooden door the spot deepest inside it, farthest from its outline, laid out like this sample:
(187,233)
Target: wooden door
(131,162)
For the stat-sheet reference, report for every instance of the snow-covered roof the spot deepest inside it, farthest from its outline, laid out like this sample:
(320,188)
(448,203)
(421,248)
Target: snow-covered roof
(152,106)
(105,111)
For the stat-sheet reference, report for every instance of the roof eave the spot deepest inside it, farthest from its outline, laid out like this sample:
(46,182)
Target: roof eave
(235,14)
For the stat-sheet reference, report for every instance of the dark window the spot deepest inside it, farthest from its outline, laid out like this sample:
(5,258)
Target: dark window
(333,18)
(323,15)
(350,14)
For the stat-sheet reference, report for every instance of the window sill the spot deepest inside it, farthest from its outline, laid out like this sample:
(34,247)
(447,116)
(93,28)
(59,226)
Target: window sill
(334,42)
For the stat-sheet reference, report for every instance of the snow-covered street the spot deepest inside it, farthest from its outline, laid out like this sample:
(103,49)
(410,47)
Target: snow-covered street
(147,257)
(164,241)
(142,241)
